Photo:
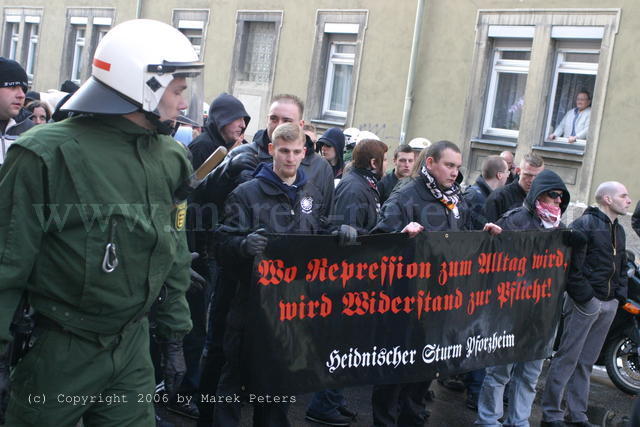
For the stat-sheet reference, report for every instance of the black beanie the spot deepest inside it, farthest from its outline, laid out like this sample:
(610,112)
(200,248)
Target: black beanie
(12,74)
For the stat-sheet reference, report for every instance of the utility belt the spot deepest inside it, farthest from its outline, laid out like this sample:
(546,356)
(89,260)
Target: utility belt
(105,340)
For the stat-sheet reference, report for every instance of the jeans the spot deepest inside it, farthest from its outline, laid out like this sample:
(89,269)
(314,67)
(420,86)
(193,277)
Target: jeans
(523,377)
(585,329)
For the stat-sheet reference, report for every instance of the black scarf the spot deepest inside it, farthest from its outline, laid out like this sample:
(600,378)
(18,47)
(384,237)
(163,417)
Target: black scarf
(450,197)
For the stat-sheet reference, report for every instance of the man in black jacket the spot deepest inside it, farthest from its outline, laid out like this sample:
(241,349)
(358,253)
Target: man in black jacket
(512,195)
(494,176)
(331,146)
(597,283)
(14,119)
(280,199)
(430,202)
(226,123)
(543,207)
(403,158)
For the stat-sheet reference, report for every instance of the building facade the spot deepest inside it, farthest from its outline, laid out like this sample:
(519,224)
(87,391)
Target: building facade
(490,75)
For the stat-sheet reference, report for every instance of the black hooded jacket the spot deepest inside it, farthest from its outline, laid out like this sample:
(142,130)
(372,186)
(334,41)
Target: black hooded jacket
(223,110)
(599,268)
(524,217)
(200,218)
(334,137)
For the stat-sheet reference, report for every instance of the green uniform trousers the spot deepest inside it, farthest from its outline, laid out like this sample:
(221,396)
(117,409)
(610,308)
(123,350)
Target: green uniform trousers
(105,380)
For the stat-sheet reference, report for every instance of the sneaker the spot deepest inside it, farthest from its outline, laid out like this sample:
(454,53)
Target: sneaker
(189,410)
(347,412)
(329,420)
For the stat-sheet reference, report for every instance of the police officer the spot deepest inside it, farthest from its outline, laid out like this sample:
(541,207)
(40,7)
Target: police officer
(89,231)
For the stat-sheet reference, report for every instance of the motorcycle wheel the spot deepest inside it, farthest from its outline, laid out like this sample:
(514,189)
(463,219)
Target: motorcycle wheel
(623,364)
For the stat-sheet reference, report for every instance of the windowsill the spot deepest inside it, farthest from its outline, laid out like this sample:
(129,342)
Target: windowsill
(496,142)
(561,153)
(330,121)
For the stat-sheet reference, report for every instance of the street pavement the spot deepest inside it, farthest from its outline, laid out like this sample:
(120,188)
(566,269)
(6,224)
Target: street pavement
(608,406)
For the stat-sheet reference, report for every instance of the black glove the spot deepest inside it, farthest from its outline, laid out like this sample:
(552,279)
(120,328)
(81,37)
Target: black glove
(574,238)
(173,365)
(347,235)
(255,243)
(4,386)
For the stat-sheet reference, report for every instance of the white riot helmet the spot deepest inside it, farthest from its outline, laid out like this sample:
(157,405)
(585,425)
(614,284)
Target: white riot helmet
(365,134)
(350,136)
(133,65)
(419,143)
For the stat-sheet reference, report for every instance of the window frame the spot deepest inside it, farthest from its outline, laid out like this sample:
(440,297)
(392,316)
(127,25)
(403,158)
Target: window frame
(500,65)
(190,21)
(574,68)
(79,44)
(340,59)
(32,48)
(342,26)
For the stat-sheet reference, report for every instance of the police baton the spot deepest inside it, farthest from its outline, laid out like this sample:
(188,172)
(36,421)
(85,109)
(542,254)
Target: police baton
(199,175)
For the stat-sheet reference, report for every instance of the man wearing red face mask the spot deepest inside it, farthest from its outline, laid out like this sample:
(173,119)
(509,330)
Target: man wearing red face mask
(542,209)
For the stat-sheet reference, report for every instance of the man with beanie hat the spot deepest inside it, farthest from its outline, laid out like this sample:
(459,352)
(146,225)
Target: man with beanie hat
(14,119)
(332,146)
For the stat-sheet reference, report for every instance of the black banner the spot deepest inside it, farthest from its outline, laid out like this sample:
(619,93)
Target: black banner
(395,310)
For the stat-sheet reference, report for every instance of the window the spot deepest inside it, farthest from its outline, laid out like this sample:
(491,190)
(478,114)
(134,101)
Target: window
(335,65)
(505,97)
(85,29)
(193,24)
(32,44)
(20,37)
(78,51)
(574,79)
(12,36)
(257,51)
(338,81)
(254,61)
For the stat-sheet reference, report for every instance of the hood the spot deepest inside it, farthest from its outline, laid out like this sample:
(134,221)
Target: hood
(334,137)
(547,180)
(265,172)
(224,110)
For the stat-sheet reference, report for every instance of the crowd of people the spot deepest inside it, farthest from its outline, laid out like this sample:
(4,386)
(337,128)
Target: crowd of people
(98,289)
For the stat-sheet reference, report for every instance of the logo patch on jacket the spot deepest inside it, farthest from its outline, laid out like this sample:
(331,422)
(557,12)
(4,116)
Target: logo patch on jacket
(181,215)
(306,204)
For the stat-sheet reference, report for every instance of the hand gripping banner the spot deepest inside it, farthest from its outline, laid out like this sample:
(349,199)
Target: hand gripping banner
(395,309)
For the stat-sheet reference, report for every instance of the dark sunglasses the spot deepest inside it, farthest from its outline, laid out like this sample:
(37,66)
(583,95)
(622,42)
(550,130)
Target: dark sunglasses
(554,194)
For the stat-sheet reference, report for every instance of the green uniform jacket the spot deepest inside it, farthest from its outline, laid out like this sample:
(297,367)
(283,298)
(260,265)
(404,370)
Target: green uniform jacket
(66,191)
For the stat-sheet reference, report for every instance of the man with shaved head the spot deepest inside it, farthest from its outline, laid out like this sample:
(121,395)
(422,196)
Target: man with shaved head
(509,158)
(597,282)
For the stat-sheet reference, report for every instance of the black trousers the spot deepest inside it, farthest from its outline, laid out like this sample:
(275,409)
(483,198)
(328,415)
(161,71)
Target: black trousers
(400,404)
